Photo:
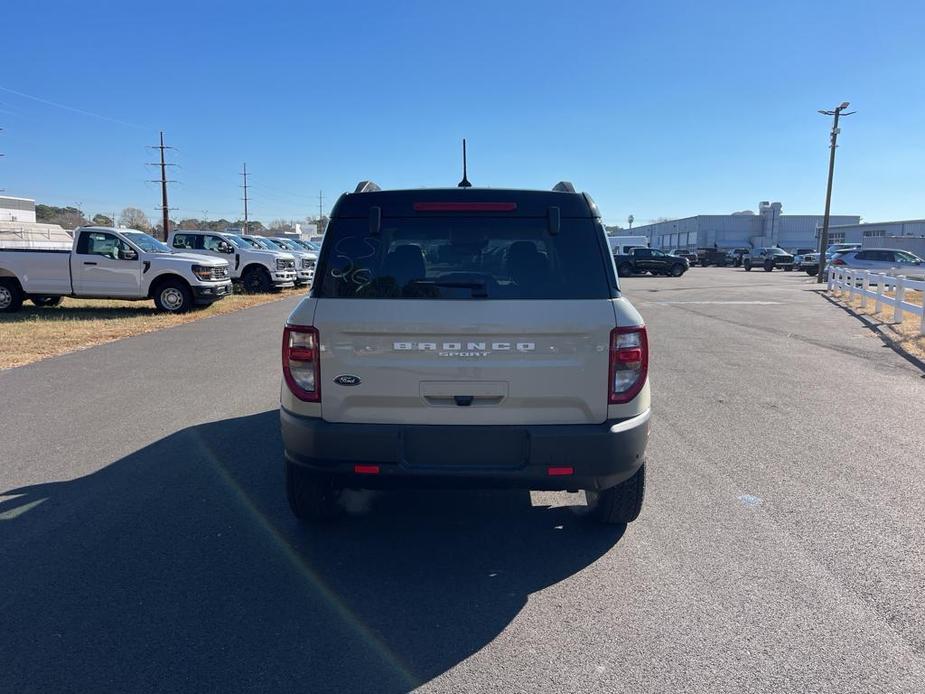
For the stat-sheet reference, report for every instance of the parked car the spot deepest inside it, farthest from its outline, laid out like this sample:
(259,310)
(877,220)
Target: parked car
(711,256)
(734,257)
(255,269)
(888,260)
(305,263)
(307,252)
(768,258)
(106,263)
(622,244)
(642,260)
(809,263)
(691,256)
(506,356)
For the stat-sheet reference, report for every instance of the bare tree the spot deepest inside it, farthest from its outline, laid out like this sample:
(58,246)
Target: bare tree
(281,225)
(133,218)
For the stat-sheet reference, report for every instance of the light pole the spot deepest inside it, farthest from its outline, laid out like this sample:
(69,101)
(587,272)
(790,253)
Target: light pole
(824,236)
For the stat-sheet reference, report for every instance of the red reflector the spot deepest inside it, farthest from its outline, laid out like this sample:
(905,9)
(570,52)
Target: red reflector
(465,206)
(301,354)
(629,355)
(558,471)
(366,469)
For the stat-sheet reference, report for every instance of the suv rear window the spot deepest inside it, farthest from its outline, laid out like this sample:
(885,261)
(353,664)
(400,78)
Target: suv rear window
(464,258)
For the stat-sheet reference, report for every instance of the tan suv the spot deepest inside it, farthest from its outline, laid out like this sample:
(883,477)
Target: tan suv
(465,337)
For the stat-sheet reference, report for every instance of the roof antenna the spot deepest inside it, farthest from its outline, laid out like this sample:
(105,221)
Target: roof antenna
(465,182)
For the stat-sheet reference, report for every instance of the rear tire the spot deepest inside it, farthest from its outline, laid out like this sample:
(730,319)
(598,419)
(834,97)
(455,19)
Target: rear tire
(11,295)
(621,504)
(748,266)
(677,270)
(256,280)
(312,496)
(769,267)
(625,270)
(812,273)
(45,300)
(173,296)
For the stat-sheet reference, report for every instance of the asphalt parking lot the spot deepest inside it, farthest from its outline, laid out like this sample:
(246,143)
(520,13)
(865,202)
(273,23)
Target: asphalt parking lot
(146,545)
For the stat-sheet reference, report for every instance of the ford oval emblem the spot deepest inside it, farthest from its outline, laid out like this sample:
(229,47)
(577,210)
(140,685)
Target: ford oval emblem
(348,380)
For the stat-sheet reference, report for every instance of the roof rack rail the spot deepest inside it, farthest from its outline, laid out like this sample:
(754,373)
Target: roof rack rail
(564,187)
(366,187)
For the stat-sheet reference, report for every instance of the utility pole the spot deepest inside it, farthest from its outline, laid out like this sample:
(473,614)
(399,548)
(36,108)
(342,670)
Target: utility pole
(320,211)
(244,174)
(824,236)
(165,209)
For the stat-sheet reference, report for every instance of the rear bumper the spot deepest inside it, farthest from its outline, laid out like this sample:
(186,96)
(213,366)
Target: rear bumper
(600,455)
(207,293)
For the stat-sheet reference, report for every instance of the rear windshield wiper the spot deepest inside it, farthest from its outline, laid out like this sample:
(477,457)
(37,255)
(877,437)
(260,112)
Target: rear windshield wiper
(479,289)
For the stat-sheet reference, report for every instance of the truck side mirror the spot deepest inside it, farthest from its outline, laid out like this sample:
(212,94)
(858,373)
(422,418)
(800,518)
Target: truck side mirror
(128,254)
(226,247)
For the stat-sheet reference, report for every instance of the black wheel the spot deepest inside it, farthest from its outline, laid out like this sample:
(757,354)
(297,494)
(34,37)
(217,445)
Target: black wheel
(256,280)
(811,272)
(45,300)
(312,496)
(11,295)
(173,296)
(621,504)
(677,270)
(625,270)
(768,266)
(748,266)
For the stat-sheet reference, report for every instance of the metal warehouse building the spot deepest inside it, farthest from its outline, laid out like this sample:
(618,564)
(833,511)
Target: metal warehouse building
(741,230)
(17,209)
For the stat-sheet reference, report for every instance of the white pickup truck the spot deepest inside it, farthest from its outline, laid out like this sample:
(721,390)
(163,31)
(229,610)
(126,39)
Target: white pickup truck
(257,270)
(107,263)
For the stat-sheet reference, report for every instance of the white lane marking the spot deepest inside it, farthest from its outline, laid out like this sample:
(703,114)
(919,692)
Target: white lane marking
(749,500)
(732,303)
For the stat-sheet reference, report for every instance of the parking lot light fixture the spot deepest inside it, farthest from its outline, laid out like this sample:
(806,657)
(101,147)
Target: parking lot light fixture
(824,235)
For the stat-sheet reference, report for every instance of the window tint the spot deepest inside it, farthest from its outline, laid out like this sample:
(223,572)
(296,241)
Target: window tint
(904,257)
(465,258)
(188,241)
(643,253)
(101,243)
(863,255)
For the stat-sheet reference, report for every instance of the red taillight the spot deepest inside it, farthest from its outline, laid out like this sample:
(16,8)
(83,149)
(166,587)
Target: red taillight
(629,363)
(301,364)
(366,469)
(559,471)
(465,206)
(838,261)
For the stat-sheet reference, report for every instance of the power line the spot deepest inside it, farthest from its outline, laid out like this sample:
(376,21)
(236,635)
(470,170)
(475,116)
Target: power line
(165,209)
(74,110)
(244,174)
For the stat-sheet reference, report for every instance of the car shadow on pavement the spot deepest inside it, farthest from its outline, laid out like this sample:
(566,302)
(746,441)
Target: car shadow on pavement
(180,568)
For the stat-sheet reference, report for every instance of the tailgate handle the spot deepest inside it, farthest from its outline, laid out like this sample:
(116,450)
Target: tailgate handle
(463,400)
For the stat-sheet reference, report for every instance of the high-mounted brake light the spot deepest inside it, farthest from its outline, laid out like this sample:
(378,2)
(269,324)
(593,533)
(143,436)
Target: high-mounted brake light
(629,363)
(838,261)
(301,363)
(465,206)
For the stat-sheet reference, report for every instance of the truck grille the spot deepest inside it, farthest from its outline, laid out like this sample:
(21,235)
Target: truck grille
(282,264)
(308,264)
(220,272)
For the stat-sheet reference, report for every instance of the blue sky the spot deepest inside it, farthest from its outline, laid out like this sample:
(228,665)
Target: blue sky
(655,108)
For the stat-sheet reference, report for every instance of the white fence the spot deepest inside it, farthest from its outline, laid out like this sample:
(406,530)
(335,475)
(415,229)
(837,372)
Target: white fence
(859,282)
